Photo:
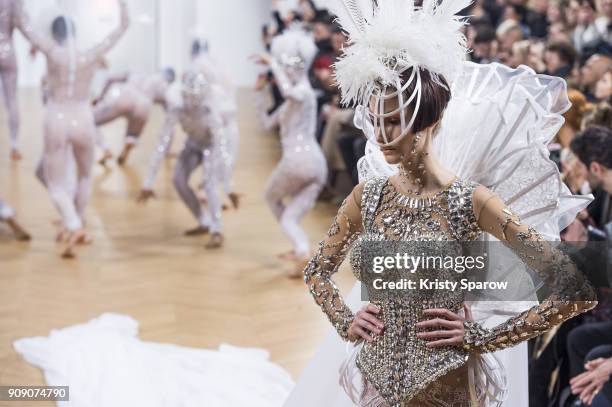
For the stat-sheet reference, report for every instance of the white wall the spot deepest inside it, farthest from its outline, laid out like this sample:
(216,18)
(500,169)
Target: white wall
(160,34)
(233,30)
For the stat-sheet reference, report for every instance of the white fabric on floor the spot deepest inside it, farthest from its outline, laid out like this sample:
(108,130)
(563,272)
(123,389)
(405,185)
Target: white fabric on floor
(106,364)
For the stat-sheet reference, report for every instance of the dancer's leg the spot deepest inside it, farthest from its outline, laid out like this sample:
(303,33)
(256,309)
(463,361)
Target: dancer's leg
(56,170)
(214,204)
(83,149)
(105,112)
(136,124)
(299,204)
(276,190)
(188,160)
(9,86)
(7,214)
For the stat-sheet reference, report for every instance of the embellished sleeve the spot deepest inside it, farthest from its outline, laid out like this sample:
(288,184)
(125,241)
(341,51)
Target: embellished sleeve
(331,252)
(571,292)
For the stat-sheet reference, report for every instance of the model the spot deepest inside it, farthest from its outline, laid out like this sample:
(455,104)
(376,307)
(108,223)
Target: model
(132,99)
(426,180)
(298,178)
(69,127)
(8,71)
(196,111)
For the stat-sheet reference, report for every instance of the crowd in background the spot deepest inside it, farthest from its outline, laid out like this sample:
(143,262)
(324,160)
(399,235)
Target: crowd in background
(571,39)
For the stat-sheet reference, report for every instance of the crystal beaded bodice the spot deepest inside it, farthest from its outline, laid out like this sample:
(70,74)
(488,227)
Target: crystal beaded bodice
(397,363)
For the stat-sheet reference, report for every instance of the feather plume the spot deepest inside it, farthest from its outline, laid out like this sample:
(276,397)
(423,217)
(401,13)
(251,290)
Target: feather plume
(351,14)
(397,35)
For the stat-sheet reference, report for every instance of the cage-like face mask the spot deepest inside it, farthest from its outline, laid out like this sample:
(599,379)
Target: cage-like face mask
(195,88)
(372,116)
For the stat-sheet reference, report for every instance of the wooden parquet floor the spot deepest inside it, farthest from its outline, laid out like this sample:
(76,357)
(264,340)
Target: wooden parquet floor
(142,266)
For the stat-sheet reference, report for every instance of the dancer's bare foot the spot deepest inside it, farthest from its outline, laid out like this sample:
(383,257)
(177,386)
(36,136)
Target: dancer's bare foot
(235,199)
(171,154)
(124,154)
(216,241)
(197,231)
(108,155)
(300,264)
(145,195)
(16,155)
(20,233)
(73,238)
(61,234)
(288,256)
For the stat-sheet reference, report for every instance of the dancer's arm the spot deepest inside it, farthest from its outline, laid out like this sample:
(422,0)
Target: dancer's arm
(572,293)
(287,89)
(110,81)
(165,140)
(43,43)
(97,51)
(329,256)
(268,120)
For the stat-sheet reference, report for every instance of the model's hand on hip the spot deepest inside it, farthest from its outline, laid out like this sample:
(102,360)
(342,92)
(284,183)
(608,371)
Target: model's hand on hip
(444,328)
(366,323)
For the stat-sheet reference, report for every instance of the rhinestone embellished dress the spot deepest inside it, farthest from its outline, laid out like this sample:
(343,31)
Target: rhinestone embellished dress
(397,368)
(397,364)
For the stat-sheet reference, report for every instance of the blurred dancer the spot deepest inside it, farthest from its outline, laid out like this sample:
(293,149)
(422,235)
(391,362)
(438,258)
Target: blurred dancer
(223,91)
(7,214)
(302,171)
(69,123)
(132,100)
(8,71)
(196,111)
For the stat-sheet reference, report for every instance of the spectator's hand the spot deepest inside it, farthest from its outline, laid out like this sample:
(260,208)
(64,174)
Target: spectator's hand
(262,59)
(589,383)
(262,81)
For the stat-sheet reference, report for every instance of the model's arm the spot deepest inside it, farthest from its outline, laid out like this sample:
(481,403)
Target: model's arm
(571,295)
(165,139)
(329,256)
(21,20)
(111,39)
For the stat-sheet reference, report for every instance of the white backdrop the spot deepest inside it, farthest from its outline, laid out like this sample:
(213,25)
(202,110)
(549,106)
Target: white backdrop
(160,33)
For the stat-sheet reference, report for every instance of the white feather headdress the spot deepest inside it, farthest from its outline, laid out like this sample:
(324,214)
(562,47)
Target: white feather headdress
(388,36)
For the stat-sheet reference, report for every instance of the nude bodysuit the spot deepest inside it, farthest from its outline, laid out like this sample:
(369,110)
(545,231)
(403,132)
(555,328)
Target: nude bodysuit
(8,67)
(302,170)
(69,127)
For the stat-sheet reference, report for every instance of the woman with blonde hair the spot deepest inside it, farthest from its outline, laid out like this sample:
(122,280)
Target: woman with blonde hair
(573,117)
